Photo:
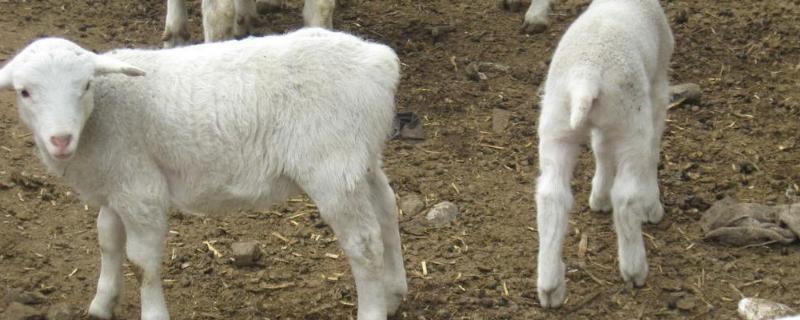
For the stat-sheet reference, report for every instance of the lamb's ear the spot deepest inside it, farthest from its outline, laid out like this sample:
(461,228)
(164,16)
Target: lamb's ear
(107,65)
(5,77)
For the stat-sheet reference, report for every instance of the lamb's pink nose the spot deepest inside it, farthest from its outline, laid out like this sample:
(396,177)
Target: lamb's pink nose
(61,142)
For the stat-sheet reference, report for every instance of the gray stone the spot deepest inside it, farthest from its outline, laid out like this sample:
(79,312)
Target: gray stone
(441,214)
(245,253)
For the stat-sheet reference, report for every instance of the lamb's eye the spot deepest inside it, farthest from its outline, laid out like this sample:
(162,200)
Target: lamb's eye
(24,93)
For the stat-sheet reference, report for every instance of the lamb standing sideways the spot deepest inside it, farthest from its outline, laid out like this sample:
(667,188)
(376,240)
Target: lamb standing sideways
(608,77)
(136,131)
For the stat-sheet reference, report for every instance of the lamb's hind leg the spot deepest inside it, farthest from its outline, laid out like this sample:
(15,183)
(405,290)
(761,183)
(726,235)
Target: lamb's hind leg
(557,157)
(605,170)
(383,201)
(353,219)
(635,198)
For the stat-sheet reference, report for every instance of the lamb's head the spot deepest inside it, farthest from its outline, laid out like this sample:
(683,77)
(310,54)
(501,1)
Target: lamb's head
(53,81)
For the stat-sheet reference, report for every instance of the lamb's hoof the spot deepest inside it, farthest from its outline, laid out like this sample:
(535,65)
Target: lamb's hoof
(552,297)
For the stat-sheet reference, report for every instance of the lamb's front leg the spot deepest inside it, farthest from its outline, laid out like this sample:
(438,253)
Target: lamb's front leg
(111,236)
(146,229)
(245,14)
(319,13)
(176,32)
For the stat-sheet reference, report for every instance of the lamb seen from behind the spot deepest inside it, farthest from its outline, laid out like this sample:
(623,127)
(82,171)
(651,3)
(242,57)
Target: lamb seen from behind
(608,77)
(138,131)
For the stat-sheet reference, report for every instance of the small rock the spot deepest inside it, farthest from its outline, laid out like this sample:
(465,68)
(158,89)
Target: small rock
(500,119)
(245,253)
(412,204)
(473,72)
(762,309)
(688,93)
(686,303)
(441,214)
(18,311)
(61,311)
(185,281)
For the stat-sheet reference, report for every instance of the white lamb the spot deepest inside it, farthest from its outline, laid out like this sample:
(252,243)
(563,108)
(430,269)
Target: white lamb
(258,120)
(535,17)
(608,76)
(229,19)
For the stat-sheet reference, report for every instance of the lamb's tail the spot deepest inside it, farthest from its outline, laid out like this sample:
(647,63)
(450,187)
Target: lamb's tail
(583,90)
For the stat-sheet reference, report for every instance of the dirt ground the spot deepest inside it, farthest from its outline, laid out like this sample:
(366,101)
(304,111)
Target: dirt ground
(742,140)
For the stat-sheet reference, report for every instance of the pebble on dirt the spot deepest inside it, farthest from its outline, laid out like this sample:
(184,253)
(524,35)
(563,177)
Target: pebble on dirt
(411,204)
(18,311)
(762,309)
(441,214)
(245,253)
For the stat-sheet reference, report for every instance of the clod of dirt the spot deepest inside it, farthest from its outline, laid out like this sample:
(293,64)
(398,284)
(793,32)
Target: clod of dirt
(441,214)
(750,223)
(685,93)
(686,303)
(473,73)
(762,309)
(27,180)
(696,202)
(411,204)
(30,298)
(478,71)
(245,253)
(61,311)
(18,311)
(500,118)
(438,31)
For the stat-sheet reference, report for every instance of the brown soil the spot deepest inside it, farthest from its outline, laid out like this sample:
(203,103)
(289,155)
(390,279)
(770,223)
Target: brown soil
(743,140)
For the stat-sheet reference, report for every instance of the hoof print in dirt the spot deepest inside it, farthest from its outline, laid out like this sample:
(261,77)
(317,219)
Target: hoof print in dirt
(441,214)
(245,253)
(61,311)
(500,119)
(408,125)
(18,311)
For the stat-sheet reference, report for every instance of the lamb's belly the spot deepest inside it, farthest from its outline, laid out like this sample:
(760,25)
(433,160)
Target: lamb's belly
(231,197)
